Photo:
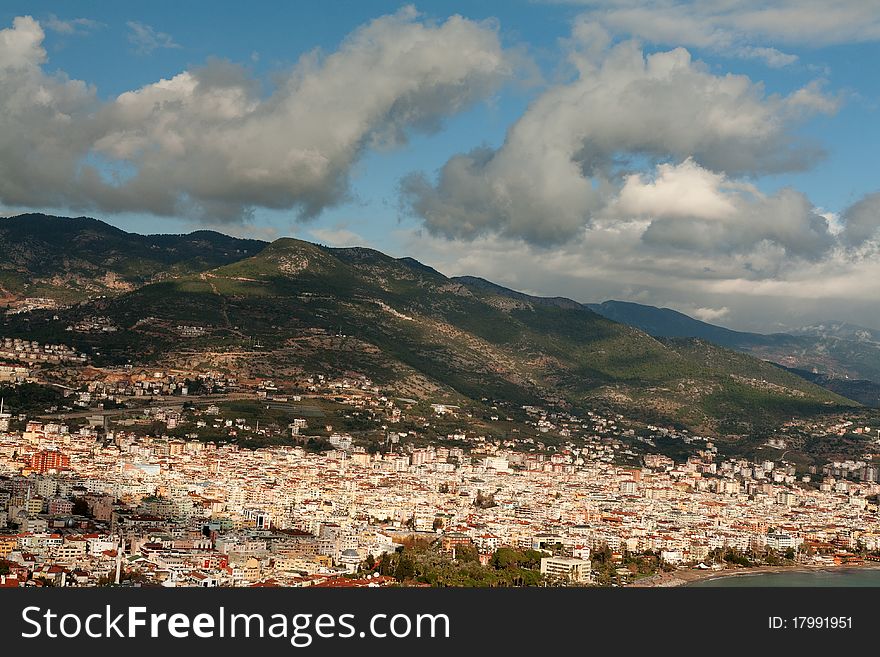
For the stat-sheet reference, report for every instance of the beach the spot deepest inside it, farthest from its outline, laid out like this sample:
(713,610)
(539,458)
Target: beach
(690,576)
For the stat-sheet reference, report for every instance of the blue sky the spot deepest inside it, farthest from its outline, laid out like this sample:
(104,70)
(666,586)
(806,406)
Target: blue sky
(271,41)
(786,153)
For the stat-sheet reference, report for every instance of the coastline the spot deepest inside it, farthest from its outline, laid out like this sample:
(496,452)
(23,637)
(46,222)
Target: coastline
(685,577)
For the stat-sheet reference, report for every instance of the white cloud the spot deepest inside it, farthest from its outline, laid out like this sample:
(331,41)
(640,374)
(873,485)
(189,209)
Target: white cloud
(45,124)
(20,45)
(692,209)
(676,191)
(710,314)
(771,56)
(560,164)
(72,26)
(207,144)
(733,27)
(861,221)
(337,236)
(145,39)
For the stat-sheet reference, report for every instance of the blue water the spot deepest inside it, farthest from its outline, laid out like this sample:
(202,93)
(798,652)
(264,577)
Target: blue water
(835,577)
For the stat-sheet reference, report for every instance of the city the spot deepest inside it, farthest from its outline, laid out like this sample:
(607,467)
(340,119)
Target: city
(433,327)
(144,499)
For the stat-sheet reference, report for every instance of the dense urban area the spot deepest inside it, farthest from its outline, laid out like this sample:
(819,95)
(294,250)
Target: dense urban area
(140,477)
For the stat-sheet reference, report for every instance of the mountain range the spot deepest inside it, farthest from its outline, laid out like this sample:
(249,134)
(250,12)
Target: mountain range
(291,307)
(839,356)
(73,259)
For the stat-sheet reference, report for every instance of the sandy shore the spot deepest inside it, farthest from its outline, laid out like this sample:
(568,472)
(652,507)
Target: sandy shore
(686,576)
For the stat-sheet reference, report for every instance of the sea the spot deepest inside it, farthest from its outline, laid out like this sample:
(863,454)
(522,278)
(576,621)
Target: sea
(831,577)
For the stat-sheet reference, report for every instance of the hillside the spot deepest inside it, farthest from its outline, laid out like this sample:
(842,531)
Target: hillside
(297,307)
(838,352)
(863,391)
(668,323)
(71,259)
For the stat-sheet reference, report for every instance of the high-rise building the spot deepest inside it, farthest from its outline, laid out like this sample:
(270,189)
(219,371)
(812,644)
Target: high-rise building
(49,459)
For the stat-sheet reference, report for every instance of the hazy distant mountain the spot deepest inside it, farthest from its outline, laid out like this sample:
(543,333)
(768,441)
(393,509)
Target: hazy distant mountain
(840,330)
(833,350)
(860,390)
(665,322)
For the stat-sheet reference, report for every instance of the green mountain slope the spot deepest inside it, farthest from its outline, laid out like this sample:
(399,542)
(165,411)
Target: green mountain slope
(668,323)
(70,259)
(298,307)
(838,352)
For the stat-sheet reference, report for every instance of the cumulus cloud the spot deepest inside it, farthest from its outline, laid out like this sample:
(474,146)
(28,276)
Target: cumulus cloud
(146,39)
(208,144)
(762,288)
(694,209)
(861,221)
(561,163)
(676,191)
(44,122)
(631,181)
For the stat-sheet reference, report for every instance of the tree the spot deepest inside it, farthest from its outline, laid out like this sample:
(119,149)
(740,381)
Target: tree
(315,444)
(484,501)
(467,552)
(602,554)
(504,558)
(386,564)
(405,568)
(80,507)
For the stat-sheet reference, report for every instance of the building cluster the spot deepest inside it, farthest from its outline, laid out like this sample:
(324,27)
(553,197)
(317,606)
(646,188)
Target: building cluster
(188,331)
(12,373)
(94,324)
(157,383)
(31,351)
(85,507)
(29,304)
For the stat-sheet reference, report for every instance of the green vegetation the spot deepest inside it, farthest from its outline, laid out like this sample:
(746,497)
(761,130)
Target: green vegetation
(626,566)
(30,398)
(734,557)
(343,311)
(69,259)
(422,562)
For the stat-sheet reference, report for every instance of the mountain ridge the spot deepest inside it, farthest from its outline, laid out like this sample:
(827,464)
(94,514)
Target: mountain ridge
(826,351)
(72,258)
(325,309)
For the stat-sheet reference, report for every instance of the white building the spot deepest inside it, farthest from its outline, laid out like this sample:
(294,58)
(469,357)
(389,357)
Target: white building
(576,570)
(782,541)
